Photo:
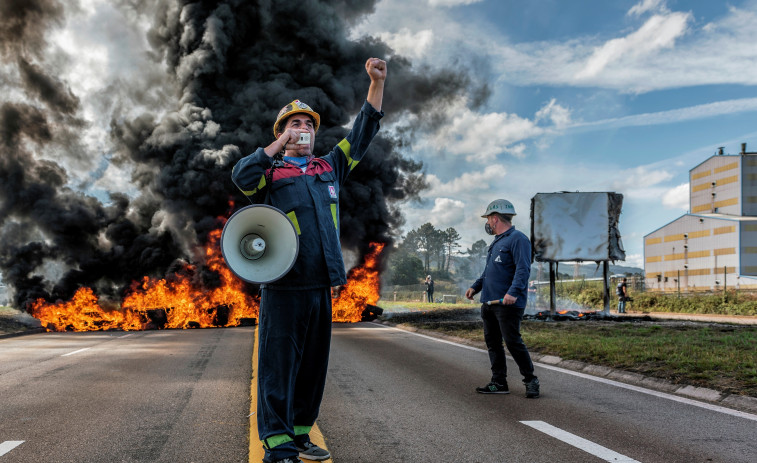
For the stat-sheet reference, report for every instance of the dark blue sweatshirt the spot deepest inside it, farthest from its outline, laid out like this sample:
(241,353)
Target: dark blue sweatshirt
(508,266)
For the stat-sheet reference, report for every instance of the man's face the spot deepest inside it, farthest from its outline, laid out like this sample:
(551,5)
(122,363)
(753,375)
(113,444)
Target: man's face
(491,222)
(302,123)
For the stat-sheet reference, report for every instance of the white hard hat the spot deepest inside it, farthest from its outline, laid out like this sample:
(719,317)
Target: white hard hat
(499,206)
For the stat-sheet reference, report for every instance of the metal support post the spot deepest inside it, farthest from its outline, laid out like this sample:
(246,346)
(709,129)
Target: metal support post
(552,295)
(605,282)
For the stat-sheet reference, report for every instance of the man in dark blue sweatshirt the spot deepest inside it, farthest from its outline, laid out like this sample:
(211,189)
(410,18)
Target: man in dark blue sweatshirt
(503,287)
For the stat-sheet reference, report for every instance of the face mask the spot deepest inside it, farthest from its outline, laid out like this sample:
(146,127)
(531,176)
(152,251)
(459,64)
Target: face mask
(488,229)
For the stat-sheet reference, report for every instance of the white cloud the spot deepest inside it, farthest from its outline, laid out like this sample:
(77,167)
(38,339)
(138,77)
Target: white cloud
(481,137)
(634,260)
(647,5)
(448,212)
(718,108)
(408,43)
(657,33)
(449,3)
(559,115)
(472,183)
(677,197)
(641,177)
(668,51)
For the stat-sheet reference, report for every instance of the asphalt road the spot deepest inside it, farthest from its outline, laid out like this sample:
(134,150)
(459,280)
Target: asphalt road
(391,396)
(394,396)
(152,396)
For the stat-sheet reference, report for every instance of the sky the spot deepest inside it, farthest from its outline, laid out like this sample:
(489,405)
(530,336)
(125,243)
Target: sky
(586,95)
(622,96)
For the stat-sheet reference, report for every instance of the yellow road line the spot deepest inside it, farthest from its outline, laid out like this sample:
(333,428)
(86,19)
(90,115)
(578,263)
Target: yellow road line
(256,447)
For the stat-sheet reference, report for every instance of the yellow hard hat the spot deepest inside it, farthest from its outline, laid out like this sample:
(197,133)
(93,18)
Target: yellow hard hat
(295,107)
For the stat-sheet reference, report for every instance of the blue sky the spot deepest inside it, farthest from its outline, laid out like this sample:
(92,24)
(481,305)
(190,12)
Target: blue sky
(622,96)
(586,95)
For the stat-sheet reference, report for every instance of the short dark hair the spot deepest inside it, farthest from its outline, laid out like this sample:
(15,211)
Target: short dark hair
(504,217)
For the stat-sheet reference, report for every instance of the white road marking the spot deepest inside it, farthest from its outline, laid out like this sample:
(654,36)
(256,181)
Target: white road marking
(579,442)
(76,352)
(662,395)
(9,445)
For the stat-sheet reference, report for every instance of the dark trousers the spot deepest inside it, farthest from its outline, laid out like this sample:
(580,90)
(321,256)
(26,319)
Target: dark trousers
(293,356)
(503,322)
(430,296)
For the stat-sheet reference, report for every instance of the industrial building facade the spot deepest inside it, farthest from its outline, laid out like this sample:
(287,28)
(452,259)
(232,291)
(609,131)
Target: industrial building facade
(715,245)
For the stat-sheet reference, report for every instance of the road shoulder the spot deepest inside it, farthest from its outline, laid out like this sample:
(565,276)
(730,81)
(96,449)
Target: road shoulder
(737,402)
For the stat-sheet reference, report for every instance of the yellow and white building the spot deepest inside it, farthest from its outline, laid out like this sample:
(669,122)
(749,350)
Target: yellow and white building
(715,245)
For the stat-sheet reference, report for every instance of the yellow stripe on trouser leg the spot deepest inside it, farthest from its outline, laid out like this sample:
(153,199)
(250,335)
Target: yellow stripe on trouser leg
(302,430)
(256,449)
(275,441)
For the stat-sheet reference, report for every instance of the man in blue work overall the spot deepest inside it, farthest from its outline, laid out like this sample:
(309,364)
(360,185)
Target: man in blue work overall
(295,311)
(503,287)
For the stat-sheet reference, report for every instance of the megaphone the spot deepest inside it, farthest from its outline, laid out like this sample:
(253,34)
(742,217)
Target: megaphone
(259,244)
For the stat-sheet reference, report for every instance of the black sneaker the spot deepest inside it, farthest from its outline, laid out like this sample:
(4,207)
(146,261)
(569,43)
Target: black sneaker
(310,451)
(532,388)
(493,388)
(285,460)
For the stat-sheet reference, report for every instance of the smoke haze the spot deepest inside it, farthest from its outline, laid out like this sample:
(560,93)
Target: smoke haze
(101,188)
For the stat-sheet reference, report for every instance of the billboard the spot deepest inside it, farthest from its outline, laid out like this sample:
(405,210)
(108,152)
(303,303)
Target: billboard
(568,227)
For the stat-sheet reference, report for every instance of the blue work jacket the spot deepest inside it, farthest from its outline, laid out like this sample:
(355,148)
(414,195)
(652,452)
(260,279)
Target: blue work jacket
(311,201)
(508,266)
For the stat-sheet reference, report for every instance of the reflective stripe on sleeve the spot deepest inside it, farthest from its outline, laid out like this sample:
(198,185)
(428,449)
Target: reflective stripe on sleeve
(261,184)
(345,146)
(333,215)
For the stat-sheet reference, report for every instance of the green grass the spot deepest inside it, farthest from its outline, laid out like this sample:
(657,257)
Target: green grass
(720,357)
(590,295)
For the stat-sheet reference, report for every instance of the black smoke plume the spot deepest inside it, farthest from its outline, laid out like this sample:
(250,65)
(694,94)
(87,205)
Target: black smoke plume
(230,66)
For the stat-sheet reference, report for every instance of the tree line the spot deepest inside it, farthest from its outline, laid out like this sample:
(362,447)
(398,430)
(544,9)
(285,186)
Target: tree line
(427,250)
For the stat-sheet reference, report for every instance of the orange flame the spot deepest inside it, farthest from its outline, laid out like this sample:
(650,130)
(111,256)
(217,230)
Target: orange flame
(184,305)
(362,288)
(180,304)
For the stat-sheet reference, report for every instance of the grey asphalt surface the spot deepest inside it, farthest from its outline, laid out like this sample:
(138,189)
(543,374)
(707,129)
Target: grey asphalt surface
(392,395)
(151,396)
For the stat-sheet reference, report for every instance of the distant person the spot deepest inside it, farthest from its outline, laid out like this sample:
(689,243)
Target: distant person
(505,279)
(622,291)
(429,288)
(531,293)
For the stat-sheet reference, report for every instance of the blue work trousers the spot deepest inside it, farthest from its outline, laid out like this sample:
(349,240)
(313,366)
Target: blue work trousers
(293,356)
(503,322)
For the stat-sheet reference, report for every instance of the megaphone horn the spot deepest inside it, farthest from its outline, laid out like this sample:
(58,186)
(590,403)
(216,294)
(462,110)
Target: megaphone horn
(259,244)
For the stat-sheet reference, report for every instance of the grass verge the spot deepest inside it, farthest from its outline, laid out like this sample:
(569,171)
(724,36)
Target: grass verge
(716,356)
